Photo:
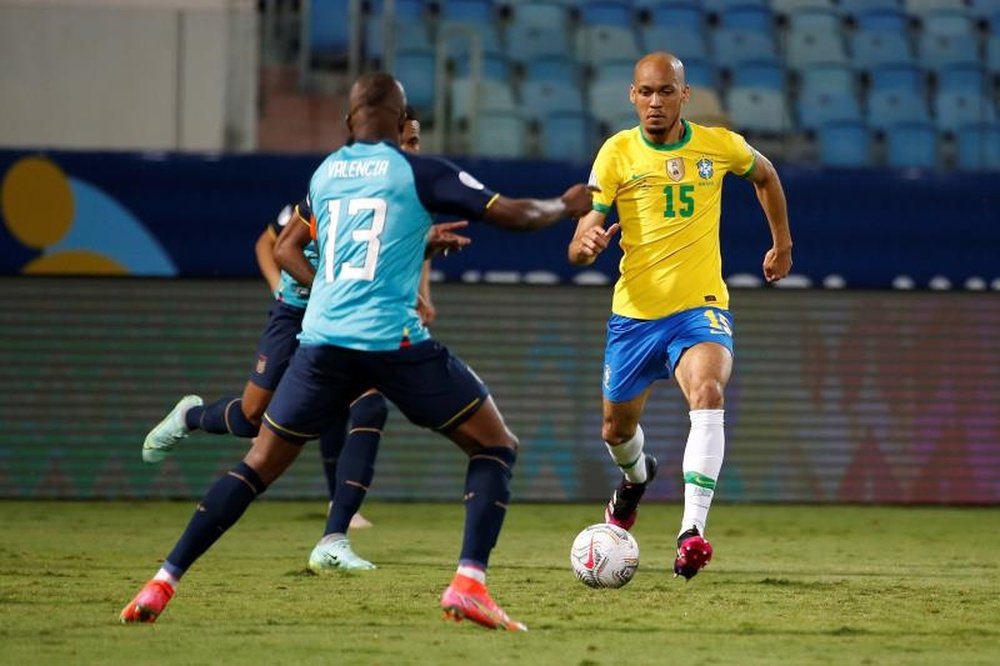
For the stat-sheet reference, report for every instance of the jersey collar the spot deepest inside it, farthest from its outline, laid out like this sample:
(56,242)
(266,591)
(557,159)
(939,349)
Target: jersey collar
(677,145)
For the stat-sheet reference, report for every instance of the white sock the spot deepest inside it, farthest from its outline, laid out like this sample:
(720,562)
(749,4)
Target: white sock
(630,458)
(706,446)
(472,572)
(167,577)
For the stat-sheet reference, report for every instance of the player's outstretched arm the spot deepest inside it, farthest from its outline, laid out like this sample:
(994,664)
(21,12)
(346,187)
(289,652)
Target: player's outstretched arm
(590,238)
(532,214)
(264,251)
(289,250)
(778,259)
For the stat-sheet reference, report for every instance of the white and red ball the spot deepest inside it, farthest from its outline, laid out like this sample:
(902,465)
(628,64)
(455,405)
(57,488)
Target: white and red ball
(604,555)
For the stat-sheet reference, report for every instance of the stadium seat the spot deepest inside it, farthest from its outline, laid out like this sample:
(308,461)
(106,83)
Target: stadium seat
(758,110)
(908,78)
(405,36)
(893,107)
(952,109)
(529,42)
(415,70)
(815,19)
(460,44)
(500,134)
(607,13)
(699,73)
(567,135)
(786,7)
(328,34)
(965,77)
(547,97)
(411,10)
(912,145)
(748,18)
(686,17)
(541,14)
(872,49)
(948,22)
(845,144)
(494,66)
(621,121)
(923,7)
(882,20)
(827,77)
(596,44)
(985,10)
(808,47)
(759,74)
(552,68)
(819,107)
(732,47)
(993,54)
(705,108)
(478,12)
(683,44)
(937,51)
(493,96)
(608,100)
(978,147)
(619,71)
(719,7)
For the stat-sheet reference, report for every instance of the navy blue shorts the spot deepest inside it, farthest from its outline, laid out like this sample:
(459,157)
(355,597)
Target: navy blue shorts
(430,386)
(277,344)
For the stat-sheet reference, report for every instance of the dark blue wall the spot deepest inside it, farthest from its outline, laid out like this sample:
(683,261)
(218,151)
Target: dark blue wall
(867,226)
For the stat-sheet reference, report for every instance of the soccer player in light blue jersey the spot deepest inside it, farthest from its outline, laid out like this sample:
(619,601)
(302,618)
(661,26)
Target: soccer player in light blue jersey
(372,209)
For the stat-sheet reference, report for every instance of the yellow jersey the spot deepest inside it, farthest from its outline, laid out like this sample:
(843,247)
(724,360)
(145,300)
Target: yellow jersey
(669,199)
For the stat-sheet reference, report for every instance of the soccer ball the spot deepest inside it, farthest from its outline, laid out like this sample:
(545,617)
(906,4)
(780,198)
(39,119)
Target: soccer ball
(604,555)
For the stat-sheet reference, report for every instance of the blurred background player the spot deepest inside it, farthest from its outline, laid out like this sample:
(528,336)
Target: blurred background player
(361,330)
(347,465)
(669,313)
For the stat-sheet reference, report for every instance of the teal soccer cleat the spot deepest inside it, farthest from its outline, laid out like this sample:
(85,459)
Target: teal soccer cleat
(334,552)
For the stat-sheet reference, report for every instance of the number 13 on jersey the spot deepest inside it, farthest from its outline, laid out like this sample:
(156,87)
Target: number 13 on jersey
(370,236)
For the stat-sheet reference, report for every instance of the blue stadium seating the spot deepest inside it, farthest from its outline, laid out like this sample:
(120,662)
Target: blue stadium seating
(984,10)
(622,121)
(748,18)
(492,96)
(815,19)
(993,54)
(552,68)
(494,67)
(787,7)
(529,42)
(608,100)
(719,7)
(893,107)
(828,77)
(415,69)
(844,144)
(855,7)
(954,108)
(979,147)
(548,97)
(402,9)
(595,44)
(683,44)
(500,134)
(328,33)
(614,70)
(912,145)
(542,14)
(609,13)
(758,110)
(406,35)
(699,73)
(567,135)
(678,16)
(732,47)
(479,12)
(908,78)
(937,51)
(948,22)
(808,47)
(871,49)
(883,20)
(965,77)
(923,7)
(818,107)
(759,74)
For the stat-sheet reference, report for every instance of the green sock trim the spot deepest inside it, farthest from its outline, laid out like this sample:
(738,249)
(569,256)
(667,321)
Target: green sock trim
(699,480)
(631,464)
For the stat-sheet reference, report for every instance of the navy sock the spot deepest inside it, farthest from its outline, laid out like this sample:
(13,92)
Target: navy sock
(487,492)
(222,506)
(331,444)
(220,417)
(357,462)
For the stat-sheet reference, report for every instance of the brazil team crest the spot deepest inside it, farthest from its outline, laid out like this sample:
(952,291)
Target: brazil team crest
(705,168)
(675,168)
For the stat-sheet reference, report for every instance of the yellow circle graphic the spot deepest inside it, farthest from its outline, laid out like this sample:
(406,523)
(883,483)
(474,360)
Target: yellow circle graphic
(37,202)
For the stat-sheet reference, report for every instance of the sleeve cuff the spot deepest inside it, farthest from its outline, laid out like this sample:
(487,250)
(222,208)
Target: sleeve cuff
(604,208)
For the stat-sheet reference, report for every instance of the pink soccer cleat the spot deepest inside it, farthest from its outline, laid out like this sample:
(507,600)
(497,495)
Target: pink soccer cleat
(693,554)
(467,598)
(149,603)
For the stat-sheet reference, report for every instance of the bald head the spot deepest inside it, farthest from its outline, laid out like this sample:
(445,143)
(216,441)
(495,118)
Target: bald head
(659,64)
(658,92)
(378,108)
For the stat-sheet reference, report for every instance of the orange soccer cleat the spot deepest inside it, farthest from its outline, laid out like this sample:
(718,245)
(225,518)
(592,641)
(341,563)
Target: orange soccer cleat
(149,603)
(467,598)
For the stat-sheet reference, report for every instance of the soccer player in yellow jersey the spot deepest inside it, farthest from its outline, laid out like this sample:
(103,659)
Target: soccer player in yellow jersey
(669,313)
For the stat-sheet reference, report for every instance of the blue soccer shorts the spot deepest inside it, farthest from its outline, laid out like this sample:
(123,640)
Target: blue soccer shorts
(430,386)
(639,352)
(277,343)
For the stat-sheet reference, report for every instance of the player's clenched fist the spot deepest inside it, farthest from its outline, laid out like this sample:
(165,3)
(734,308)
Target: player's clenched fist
(579,200)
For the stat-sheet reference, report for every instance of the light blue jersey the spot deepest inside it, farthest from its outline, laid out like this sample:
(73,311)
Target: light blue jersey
(371,204)
(289,291)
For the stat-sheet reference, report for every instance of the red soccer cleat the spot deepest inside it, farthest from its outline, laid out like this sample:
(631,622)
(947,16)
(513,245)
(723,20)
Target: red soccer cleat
(693,554)
(149,603)
(467,598)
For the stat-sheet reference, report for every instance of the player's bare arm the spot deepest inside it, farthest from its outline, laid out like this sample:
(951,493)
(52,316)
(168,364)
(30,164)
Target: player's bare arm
(264,251)
(289,250)
(778,259)
(533,214)
(590,238)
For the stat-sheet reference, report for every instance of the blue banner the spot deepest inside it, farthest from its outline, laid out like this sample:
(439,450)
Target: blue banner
(199,215)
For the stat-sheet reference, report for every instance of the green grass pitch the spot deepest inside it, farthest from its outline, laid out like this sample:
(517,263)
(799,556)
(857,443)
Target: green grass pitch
(788,585)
